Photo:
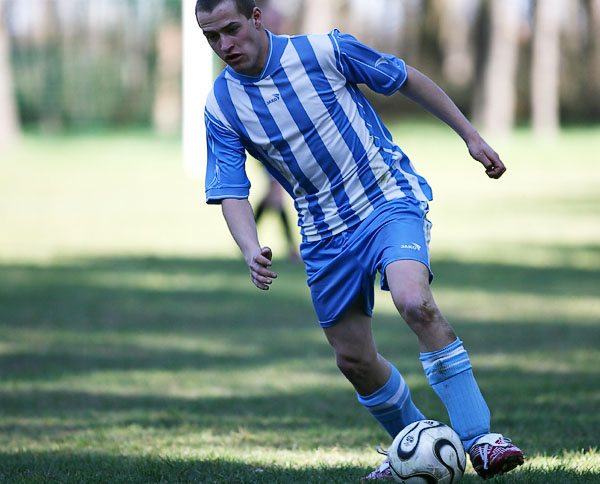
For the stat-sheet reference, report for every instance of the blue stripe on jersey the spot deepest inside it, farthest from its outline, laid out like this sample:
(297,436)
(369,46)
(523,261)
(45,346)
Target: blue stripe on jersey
(345,129)
(270,126)
(382,138)
(262,156)
(227,107)
(226,104)
(316,146)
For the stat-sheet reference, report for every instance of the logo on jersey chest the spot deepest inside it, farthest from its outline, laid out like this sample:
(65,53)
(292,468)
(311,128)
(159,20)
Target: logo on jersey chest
(274,98)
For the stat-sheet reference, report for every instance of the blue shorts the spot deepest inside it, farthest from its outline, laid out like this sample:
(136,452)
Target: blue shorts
(341,269)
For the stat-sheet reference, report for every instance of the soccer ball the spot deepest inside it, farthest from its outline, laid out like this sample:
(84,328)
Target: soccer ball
(427,452)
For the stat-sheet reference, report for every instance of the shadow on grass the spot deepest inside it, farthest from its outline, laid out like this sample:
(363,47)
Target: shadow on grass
(77,468)
(119,315)
(544,413)
(34,468)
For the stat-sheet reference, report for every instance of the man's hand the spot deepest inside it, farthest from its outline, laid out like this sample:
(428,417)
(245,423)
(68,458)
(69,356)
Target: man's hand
(259,264)
(240,220)
(482,152)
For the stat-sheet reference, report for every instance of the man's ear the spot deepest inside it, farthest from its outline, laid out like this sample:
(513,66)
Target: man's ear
(257,17)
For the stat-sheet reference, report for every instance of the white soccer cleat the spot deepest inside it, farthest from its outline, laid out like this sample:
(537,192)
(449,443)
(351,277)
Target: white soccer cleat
(494,454)
(383,472)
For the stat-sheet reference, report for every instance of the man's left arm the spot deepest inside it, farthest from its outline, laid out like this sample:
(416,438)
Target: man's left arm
(422,90)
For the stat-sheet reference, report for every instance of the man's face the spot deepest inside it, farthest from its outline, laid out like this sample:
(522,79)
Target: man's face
(238,41)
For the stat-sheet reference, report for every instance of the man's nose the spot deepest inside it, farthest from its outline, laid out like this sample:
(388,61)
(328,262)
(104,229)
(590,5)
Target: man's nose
(226,43)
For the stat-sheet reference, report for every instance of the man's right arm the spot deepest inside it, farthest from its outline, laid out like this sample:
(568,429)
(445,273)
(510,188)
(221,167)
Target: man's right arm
(227,184)
(240,220)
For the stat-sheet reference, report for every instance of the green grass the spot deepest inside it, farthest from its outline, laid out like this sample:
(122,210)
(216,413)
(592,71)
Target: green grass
(134,349)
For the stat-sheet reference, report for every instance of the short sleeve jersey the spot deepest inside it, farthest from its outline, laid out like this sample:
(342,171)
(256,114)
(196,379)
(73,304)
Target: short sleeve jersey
(306,120)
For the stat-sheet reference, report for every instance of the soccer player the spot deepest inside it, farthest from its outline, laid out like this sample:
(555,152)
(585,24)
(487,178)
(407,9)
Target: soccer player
(273,200)
(293,103)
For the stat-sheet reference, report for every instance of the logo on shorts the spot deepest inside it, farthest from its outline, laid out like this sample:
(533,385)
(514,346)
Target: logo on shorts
(411,246)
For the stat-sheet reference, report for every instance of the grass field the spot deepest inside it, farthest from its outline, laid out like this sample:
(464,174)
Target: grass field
(134,349)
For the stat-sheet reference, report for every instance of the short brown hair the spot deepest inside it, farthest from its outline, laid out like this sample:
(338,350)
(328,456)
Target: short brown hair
(245,7)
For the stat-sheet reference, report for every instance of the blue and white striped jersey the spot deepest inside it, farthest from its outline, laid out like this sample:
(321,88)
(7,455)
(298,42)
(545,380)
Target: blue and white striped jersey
(306,120)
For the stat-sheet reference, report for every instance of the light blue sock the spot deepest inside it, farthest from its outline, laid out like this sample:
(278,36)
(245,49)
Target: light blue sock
(451,377)
(392,405)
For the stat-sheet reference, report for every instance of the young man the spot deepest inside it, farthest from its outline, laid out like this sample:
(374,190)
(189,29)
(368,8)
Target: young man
(293,103)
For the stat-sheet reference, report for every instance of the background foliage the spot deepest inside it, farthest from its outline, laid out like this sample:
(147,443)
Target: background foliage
(78,63)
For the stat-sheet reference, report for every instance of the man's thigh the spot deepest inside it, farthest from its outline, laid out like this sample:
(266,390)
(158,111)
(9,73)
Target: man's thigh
(353,334)
(408,279)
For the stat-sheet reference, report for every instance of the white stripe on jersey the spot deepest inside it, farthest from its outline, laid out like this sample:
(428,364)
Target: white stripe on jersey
(412,179)
(260,137)
(324,52)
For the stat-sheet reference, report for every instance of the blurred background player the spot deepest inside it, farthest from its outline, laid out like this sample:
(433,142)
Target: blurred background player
(274,200)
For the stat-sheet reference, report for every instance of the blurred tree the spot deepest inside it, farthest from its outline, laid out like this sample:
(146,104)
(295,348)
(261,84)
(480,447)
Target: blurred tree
(272,18)
(594,78)
(317,16)
(457,19)
(135,37)
(574,31)
(51,120)
(580,61)
(379,23)
(87,63)
(9,120)
(166,112)
(545,67)
(496,102)
(166,105)
(411,31)
(321,16)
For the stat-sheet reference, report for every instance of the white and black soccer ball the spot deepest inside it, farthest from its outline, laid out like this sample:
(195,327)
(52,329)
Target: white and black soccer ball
(427,452)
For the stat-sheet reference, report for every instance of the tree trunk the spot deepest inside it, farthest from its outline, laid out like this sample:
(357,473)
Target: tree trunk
(457,20)
(595,54)
(545,68)
(376,24)
(496,112)
(51,112)
(410,36)
(272,18)
(9,120)
(321,16)
(166,113)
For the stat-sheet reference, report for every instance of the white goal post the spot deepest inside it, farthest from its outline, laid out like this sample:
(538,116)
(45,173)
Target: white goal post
(197,78)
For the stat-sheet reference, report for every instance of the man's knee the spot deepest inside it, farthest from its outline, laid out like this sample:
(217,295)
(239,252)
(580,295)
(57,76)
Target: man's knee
(409,284)
(357,366)
(418,310)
